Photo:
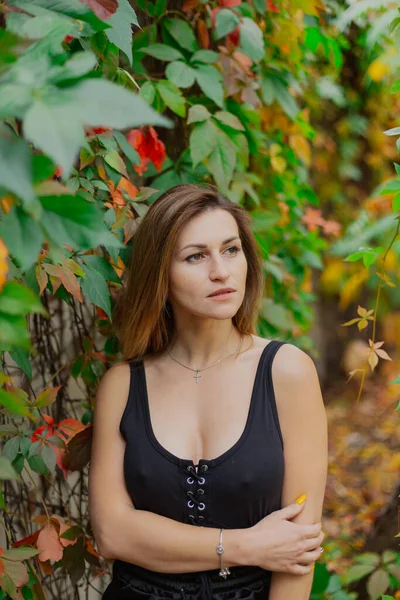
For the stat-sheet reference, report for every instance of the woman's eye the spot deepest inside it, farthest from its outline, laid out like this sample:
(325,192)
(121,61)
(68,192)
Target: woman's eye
(235,248)
(192,255)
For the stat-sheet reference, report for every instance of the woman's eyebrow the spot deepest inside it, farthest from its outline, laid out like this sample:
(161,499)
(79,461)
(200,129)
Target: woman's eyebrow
(235,237)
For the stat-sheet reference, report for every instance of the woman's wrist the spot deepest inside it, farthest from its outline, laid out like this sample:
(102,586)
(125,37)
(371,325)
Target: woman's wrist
(237,547)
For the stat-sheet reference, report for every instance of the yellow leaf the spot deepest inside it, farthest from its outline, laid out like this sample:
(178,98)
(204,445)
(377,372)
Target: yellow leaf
(377,70)
(301,147)
(352,287)
(278,163)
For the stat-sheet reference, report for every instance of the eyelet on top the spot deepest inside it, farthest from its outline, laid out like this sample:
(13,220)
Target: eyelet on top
(189,468)
(204,467)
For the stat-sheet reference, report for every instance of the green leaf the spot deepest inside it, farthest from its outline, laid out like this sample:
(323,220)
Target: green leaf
(21,357)
(356,572)
(14,100)
(71,8)
(182,33)
(198,112)
(251,39)
(115,161)
(14,332)
(259,5)
(95,287)
(285,99)
(126,148)
(55,130)
(7,471)
(22,235)
(225,22)
(205,56)
(74,221)
(98,263)
(48,454)
(210,83)
(55,122)
(43,168)
(121,33)
(377,584)
(396,203)
(148,92)
(13,403)
(229,119)
(172,97)
(180,74)
(202,141)
(78,65)
(18,554)
(11,448)
(222,161)
(37,464)
(16,169)
(16,299)
(163,52)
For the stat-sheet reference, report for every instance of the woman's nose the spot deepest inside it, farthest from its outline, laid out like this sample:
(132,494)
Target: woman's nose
(218,269)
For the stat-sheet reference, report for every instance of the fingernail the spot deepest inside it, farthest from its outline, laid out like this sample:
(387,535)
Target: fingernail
(312,568)
(324,534)
(301,499)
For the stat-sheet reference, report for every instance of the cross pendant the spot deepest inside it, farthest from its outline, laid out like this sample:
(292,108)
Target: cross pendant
(197,376)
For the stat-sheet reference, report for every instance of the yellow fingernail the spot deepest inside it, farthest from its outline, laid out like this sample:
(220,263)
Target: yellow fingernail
(301,499)
(312,568)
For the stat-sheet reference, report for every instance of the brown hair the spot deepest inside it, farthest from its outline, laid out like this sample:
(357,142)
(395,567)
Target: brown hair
(142,314)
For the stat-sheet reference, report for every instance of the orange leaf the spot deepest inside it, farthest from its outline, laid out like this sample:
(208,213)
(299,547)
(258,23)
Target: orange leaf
(3,263)
(203,34)
(70,283)
(127,186)
(189,5)
(49,542)
(41,277)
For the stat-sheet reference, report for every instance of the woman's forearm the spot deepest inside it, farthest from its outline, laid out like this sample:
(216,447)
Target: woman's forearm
(287,585)
(168,546)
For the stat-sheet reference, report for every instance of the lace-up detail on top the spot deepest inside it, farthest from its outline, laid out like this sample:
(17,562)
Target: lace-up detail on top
(196,493)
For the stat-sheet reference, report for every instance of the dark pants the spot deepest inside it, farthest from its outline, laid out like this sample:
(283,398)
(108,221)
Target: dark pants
(131,582)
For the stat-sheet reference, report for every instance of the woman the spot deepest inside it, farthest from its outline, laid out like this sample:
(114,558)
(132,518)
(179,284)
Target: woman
(205,430)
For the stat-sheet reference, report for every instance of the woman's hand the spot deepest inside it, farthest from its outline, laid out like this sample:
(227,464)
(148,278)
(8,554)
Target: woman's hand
(279,545)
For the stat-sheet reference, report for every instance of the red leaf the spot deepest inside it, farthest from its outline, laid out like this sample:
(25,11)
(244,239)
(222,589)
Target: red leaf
(155,148)
(147,144)
(271,6)
(229,3)
(102,8)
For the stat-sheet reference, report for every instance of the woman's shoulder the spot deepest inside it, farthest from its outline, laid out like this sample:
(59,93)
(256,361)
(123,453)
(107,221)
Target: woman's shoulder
(117,377)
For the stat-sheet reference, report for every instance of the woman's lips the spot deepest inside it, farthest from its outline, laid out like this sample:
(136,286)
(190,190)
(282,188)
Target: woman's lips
(223,296)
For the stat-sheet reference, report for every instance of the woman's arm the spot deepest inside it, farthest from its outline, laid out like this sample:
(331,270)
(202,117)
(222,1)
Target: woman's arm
(142,537)
(303,424)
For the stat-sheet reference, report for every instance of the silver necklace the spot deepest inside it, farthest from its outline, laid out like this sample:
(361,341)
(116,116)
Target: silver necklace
(197,376)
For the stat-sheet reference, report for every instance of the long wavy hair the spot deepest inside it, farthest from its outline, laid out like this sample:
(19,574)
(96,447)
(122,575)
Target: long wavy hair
(142,316)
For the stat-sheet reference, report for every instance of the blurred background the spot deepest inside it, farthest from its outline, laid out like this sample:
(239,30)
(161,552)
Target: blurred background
(291,108)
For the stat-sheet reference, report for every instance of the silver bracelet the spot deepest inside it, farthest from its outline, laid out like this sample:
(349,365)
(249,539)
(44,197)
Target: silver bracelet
(224,571)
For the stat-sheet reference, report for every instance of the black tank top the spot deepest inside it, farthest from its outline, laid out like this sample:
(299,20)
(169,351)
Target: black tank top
(233,490)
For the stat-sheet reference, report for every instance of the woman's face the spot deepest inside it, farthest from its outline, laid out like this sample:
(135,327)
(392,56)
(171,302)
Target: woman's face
(208,256)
